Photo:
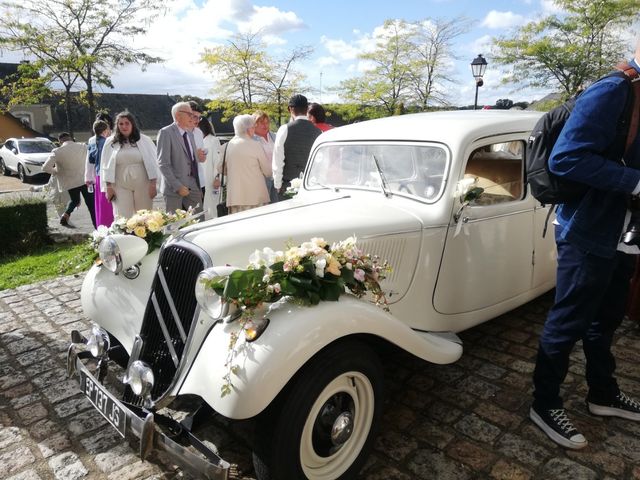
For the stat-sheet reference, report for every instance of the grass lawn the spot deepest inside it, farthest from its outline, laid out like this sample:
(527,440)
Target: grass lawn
(47,262)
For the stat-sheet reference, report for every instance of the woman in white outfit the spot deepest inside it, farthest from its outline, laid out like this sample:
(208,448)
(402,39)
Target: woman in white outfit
(246,167)
(128,170)
(211,146)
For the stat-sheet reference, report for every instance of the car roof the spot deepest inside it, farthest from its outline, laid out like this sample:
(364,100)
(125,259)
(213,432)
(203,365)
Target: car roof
(447,127)
(36,139)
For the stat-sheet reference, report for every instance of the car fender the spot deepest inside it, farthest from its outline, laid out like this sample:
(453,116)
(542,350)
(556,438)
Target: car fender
(117,303)
(294,335)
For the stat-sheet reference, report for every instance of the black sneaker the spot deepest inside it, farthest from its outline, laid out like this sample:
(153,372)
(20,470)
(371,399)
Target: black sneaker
(555,423)
(621,406)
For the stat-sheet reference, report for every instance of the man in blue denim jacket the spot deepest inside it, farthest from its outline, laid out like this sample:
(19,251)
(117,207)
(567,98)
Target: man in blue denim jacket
(593,273)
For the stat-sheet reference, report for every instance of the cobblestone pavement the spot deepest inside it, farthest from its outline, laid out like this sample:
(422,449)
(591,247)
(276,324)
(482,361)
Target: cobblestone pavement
(463,421)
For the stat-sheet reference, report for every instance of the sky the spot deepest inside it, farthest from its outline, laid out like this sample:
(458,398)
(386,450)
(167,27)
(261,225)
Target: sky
(338,30)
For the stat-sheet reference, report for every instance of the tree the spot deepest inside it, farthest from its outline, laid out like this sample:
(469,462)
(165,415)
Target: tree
(409,66)
(240,66)
(432,51)
(568,50)
(283,80)
(91,36)
(247,77)
(386,84)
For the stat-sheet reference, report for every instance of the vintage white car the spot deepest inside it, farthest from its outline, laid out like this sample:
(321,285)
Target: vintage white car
(440,196)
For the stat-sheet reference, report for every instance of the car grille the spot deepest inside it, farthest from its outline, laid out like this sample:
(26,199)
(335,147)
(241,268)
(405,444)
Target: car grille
(170,311)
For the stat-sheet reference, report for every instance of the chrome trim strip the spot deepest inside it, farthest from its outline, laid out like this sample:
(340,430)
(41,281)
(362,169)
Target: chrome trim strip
(165,332)
(184,366)
(172,306)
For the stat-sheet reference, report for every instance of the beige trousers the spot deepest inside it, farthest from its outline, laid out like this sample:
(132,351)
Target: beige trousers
(131,185)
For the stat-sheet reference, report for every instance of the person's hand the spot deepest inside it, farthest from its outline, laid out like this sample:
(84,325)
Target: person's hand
(216,182)
(183,191)
(202,155)
(111,193)
(153,191)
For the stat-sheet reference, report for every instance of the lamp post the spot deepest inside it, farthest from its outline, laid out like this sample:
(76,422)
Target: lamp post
(478,66)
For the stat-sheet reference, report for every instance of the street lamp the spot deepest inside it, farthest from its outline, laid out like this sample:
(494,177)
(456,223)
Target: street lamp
(478,66)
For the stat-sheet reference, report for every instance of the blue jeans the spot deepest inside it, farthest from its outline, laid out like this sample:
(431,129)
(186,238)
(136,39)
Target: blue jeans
(591,295)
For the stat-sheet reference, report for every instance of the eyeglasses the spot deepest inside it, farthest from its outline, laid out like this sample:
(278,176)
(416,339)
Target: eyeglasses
(195,116)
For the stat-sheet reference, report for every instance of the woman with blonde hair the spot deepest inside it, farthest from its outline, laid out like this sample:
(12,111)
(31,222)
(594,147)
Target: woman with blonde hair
(129,169)
(246,167)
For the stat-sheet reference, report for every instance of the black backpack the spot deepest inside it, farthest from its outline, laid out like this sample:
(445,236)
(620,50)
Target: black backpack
(548,188)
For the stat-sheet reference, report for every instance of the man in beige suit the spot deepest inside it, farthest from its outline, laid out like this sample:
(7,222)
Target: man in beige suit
(67,164)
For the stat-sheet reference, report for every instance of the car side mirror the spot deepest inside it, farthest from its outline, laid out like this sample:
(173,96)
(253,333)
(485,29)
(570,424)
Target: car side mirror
(14,150)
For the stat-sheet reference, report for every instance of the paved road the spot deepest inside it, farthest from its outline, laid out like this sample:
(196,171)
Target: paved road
(456,422)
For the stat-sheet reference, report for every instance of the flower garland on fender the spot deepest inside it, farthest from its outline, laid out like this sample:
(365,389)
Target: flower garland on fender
(308,273)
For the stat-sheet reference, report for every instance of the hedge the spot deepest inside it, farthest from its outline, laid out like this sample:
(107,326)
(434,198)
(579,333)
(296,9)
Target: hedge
(23,224)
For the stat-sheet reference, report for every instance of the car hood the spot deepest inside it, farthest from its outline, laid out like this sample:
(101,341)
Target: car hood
(382,227)
(34,157)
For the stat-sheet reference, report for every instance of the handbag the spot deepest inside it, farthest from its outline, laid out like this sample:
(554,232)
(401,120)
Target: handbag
(222,208)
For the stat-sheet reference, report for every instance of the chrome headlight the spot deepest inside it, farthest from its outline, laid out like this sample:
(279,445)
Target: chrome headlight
(98,342)
(110,255)
(140,378)
(209,301)
(119,252)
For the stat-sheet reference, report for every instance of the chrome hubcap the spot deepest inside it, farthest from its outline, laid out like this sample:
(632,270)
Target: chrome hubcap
(342,428)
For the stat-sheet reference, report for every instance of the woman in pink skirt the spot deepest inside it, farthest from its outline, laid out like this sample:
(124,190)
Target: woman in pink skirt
(103,208)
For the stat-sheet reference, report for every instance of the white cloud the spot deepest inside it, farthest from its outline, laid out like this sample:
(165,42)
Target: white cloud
(271,20)
(501,20)
(550,7)
(185,30)
(326,61)
(340,49)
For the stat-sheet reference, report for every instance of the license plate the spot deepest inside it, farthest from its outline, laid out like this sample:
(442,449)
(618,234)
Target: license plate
(104,402)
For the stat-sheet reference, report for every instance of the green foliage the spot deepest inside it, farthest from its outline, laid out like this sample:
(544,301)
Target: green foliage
(408,67)
(571,50)
(247,77)
(44,263)
(79,39)
(26,86)
(23,223)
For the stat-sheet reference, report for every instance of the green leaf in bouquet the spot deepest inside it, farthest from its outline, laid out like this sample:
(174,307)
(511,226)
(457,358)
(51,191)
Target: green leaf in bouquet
(347,276)
(304,283)
(241,282)
(331,291)
(313,297)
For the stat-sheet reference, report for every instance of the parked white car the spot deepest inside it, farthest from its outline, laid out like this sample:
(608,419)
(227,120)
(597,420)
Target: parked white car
(25,156)
(439,195)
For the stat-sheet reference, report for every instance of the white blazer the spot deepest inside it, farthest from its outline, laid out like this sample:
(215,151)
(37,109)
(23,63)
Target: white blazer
(110,151)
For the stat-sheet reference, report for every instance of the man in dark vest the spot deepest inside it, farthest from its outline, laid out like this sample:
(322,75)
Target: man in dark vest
(292,145)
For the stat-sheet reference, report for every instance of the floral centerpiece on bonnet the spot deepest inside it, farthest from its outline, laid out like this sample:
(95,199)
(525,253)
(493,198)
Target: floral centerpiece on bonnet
(154,226)
(308,273)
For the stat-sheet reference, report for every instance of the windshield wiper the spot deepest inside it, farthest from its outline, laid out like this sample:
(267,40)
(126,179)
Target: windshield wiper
(383,180)
(313,182)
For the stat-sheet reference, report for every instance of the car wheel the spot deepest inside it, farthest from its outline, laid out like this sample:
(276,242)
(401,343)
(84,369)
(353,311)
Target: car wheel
(22,174)
(323,427)
(3,169)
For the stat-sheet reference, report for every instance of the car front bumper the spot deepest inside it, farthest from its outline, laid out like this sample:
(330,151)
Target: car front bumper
(147,427)
(32,169)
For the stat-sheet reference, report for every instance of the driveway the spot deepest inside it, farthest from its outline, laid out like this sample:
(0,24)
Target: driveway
(463,421)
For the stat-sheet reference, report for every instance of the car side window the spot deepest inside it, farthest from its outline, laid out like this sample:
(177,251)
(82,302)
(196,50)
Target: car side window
(498,169)
(9,145)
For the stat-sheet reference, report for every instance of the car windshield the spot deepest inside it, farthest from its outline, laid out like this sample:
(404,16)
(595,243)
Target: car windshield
(414,169)
(40,146)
